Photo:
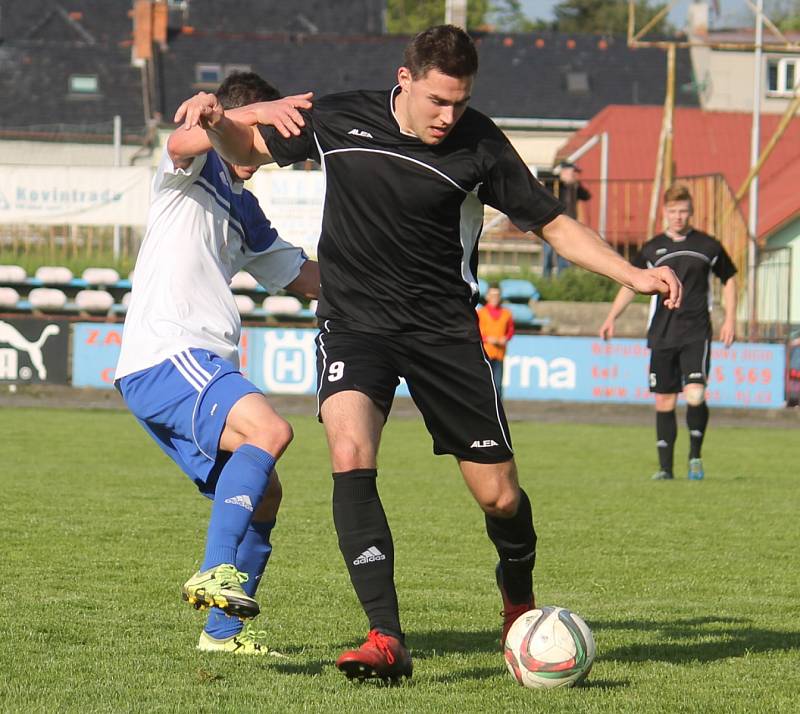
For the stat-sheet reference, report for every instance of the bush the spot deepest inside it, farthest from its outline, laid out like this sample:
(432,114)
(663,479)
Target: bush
(576,285)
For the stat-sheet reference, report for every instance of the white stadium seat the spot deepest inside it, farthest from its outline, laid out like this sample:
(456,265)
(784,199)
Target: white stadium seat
(12,274)
(282,305)
(8,297)
(313,306)
(126,299)
(54,274)
(47,299)
(244,304)
(94,300)
(243,281)
(100,276)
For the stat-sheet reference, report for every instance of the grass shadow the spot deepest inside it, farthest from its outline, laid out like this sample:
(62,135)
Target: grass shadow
(697,639)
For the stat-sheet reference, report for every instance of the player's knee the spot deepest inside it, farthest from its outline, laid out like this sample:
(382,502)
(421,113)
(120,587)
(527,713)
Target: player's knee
(503,504)
(347,454)
(272,437)
(695,394)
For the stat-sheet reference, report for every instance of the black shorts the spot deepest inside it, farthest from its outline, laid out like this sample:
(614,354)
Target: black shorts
(451,384)
(671,369)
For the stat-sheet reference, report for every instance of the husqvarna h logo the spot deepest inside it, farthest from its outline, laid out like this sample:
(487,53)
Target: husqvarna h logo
(9,335)
(289,361)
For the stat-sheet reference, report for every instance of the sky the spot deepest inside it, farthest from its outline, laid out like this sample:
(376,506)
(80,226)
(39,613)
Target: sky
(734,12)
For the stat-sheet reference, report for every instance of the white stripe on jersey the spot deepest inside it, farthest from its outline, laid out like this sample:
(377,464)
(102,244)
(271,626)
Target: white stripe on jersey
(470,229)
(405,158)
(324,362)
(693,253)
(191,360)
(496,400)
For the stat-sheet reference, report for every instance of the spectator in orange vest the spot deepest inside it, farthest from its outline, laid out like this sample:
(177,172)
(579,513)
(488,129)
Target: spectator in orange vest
(497,328)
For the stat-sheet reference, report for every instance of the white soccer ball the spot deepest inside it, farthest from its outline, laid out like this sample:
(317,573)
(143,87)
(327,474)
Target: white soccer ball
(549,647)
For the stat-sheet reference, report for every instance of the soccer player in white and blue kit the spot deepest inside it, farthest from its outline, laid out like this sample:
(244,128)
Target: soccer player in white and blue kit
(178,369)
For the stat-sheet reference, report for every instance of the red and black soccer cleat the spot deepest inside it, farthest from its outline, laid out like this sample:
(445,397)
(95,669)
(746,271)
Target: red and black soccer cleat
(380,657)
(511,611)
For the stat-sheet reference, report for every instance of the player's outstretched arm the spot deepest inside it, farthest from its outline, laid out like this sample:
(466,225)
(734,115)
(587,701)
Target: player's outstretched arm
(306,283)
(727,333)
(232,132)
(621,301)
(582,246)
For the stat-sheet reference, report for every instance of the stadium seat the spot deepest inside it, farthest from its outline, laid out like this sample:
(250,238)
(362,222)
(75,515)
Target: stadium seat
(244,281)
(282,306)
(12,274)
(518,291)
(8,298)
(522,314)
(47,299)
(54,275)
(126,299)
(244,304)
(95,301)
(100,276)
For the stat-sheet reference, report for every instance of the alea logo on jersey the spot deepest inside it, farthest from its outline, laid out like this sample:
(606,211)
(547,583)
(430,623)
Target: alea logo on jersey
(485,444)
(360,132)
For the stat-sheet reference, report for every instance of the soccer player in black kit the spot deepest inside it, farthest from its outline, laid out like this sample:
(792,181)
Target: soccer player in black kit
(680,340)
(408,172)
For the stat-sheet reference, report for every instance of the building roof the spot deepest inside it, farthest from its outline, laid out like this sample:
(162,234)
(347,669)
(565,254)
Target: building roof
(534,75)
(703,143)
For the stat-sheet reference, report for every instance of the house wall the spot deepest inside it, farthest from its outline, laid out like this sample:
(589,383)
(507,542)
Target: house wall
(54,153)
(789,237)
(725,81)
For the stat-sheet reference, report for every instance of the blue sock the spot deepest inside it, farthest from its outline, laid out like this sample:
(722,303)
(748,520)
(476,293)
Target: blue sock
(251,558)
(240,488)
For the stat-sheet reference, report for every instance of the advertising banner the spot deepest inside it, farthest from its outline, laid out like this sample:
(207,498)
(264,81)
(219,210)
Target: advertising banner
(95,351)
(75,195)
(579,369)
(34,351)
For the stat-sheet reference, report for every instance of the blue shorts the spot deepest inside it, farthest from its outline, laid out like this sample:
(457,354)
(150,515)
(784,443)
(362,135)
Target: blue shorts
(183,404)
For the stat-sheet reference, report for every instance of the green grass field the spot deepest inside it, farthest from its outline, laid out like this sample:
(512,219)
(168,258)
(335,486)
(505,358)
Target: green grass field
(691,588)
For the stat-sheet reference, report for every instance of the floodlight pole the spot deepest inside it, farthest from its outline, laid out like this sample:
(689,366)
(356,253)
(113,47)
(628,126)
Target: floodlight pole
(752,222)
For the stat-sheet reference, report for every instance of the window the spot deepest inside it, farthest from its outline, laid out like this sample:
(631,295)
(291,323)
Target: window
(783,75)
(577,82)
(208,73)
(83,84)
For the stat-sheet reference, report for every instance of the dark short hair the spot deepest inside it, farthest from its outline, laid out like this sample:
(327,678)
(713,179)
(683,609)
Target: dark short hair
(677,192)
(241,88)
(494,286)
(445,48)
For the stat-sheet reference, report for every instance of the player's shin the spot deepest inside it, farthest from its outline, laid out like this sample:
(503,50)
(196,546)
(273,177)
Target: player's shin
(239,491)
(696,421)
(515,541)
(367,547)
(666,433)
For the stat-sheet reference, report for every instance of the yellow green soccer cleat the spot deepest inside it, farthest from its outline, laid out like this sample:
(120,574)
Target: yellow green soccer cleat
(247,642)
(220,587)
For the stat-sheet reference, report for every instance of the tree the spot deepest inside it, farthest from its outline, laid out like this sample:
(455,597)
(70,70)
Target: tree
(412,16)
(606,16)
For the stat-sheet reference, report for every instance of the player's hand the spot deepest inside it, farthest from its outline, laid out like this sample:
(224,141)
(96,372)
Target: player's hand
(284,113)
(727,333)
(607,329)
(203,109)
(661,281)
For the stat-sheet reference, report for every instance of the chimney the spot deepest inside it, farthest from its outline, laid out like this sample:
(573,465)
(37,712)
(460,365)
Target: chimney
(455,13)
(160,22)
(697,19)
(142,30)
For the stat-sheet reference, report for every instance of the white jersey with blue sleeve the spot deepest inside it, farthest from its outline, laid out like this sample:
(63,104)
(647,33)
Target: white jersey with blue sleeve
(202,228)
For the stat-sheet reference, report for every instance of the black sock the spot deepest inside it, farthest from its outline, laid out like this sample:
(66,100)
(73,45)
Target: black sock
(666,432)
(515,540)
(366,544)
(697,421)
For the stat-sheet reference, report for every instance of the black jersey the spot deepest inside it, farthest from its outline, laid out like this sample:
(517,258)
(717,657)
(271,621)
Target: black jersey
(694,259)
(398,250)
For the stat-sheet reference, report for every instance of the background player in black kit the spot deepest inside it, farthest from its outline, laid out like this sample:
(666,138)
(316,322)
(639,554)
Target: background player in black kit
(408,171)
(680,340)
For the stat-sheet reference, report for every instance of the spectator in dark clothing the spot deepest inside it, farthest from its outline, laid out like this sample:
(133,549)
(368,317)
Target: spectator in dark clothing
(570,191)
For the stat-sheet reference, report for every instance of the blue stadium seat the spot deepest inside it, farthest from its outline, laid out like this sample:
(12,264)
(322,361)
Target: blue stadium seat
(518,291)
(524,316)
(483,286)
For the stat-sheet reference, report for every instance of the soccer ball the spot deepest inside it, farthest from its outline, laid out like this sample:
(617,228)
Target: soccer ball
(549,647)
